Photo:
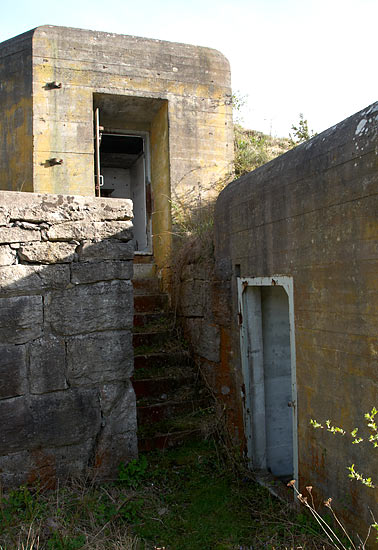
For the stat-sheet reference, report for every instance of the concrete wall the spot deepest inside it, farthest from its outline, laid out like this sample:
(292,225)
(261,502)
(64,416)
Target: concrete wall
(311,214)
(67,406)
(16,105)
(178,93)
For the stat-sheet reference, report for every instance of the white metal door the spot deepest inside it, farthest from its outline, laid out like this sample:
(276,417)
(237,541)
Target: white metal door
(268,362)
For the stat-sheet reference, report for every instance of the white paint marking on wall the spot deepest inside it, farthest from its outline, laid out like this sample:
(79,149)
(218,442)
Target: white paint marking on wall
(360,126)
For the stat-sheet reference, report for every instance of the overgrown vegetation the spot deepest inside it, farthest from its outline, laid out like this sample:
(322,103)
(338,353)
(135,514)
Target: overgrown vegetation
(301,133)
(189,498)
(253,149)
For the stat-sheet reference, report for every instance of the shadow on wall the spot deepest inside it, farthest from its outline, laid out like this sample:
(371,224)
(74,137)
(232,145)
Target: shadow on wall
(67,406)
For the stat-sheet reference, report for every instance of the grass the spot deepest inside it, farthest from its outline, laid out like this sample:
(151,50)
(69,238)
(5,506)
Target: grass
(188,498)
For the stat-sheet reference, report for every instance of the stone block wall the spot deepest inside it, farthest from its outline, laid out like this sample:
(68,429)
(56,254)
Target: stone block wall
(205,313)
(67,406)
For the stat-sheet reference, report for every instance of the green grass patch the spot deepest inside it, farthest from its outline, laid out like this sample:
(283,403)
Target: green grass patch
(188,498)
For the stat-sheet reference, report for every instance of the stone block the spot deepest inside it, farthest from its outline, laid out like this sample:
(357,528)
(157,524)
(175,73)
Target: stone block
(101,357)
(69,460)
(12,371)
(202,270)
(106,250)
(63,418)
(90,308)
(3,217)
(16,425)
(14,469)
(21,319)
(193,298)
(121,418)
(7,255)
(47,253)
(110,394)
(111,451)
(47,365)
(93,272)
(18,235)
(33,278)
(45,466)
(205,339)
(88,230)
(36,207)
(118,440)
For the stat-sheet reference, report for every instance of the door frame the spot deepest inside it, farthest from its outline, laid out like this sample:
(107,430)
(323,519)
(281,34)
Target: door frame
(250,389)
(104,130)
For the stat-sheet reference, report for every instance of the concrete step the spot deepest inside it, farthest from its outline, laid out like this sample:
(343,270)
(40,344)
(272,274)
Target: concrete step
(144,320)
(162,359)
(144,271)
(157,412)
(161,386)
(146,286)
(166,441)
(149,339)
(174,431)
(153,303)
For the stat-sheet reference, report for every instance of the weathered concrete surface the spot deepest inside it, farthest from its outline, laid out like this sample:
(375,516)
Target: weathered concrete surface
(179,94)
(52,209)
(311,214)
(65,337)
(16,133)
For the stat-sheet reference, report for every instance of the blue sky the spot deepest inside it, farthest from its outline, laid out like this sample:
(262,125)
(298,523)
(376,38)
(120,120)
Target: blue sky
(318,57)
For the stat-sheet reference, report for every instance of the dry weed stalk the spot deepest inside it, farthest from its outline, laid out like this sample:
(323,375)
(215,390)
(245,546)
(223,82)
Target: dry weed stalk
(329,532)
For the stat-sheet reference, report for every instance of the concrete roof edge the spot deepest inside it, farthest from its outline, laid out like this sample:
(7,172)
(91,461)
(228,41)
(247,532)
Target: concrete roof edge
(63,29)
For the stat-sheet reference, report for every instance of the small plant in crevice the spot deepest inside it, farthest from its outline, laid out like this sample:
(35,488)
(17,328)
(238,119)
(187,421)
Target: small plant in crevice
(301,132)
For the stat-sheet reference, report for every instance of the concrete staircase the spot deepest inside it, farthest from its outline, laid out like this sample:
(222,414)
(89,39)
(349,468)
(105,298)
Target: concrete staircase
(172,402)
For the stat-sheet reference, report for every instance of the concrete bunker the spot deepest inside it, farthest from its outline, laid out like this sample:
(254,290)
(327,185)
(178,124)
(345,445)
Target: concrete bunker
(307,222)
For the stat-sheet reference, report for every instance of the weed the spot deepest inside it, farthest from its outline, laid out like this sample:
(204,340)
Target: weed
(356,440)
(61,542)
(133,473)
(301,133)
(186,498)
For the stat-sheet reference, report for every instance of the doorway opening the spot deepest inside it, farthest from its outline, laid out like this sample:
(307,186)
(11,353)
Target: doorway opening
(268,361)
(124,170)
(131,138)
